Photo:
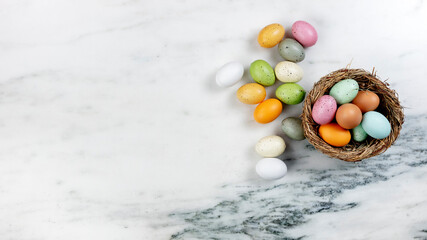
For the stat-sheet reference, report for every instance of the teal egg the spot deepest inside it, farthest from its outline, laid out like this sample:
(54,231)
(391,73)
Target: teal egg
(291,50)
(359,135)
(292,127)
(262,73)
(344,91)
(290,93)
(376,125)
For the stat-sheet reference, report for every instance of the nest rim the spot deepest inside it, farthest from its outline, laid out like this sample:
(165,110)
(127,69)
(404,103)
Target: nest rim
(389,106)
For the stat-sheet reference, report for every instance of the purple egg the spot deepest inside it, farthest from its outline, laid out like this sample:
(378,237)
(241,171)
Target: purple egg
(304,33)
(324,109)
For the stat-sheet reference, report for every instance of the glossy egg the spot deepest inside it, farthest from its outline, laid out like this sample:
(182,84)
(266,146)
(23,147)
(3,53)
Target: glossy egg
(268,110)
(344,91)
(229,74)
(334,135)
(271,168)
(291,50)
(348,116)
(376,125)
(292,127)
(271,35)
(324,109)
(251,93)
(366,101)
(270,146)
(304,33)
(290,93)
(359,135)
(287,71)
(262,73)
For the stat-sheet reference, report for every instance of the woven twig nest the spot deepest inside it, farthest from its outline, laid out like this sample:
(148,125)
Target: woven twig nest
(354,151)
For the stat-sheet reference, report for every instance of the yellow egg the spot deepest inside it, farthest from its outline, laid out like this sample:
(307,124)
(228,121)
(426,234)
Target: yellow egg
(271,35)
(251,93)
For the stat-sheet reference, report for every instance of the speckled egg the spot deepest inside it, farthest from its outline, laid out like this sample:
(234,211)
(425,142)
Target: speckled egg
(271,168)
(359,135)
(229,74)
(376,125)
(292,127)
(287,71)
(262,73)
(324,109)
(291,50)
(304,33)
(290,93)
(271,35)
(251,93)
(344,91)
(270,146)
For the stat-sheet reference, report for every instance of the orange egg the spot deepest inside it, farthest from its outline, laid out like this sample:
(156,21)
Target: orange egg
(251,93)
(334,135)
(268,110)
(271,35)
(366,101)
(348,116)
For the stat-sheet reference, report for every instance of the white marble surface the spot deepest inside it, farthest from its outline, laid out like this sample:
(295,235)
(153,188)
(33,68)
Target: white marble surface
(112,126)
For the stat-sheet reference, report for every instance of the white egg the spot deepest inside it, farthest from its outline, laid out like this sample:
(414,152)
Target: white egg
(288,72)
(229,74)
(271,168)
(270,146)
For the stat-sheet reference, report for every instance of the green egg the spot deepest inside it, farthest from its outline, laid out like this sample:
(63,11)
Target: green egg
(344,91)
(359,135)
(290,93)
(262,73)
(292,127)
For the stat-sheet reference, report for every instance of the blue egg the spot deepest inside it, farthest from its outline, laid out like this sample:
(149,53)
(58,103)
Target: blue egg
(376,125)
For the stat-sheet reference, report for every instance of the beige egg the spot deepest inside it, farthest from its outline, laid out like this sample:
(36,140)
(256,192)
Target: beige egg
(270,146)
(288,72)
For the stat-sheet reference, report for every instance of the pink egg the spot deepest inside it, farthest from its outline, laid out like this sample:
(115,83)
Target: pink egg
(324,109)
(304,33)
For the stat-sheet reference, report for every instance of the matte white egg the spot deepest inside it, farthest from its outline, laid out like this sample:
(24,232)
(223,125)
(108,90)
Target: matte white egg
(229,74)
(271,168)
(270,146)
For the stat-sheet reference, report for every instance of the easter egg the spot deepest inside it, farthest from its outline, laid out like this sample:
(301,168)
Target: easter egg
(292,127)
(270,146)
(324,109)
(268,110)
(344,91)
(366,101)
(334,134)
(291,50)
(229,74)
(262,73)
(359,135)
(348,116)
(290,93)
(376,125)
(304,33)
(288,72)
(251,93)
(271,35)
(271,168)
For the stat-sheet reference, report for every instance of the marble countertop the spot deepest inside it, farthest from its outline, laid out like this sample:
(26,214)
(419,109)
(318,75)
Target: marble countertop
(112,126)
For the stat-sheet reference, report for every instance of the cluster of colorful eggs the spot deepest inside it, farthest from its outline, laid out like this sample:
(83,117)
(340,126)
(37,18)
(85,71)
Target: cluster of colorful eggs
(356,113)
(291,93)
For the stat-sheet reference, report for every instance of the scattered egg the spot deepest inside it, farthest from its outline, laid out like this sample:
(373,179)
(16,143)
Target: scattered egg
(271,35)
(268,110)
(229,74)
(292,127)
(271,168)
(291,50)
(304,33)
(270,146)
(290,93)
(262,73)
(287,71)
(251,93)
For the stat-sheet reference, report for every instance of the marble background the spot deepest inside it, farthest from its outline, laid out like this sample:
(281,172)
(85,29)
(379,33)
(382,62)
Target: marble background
(112,126)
